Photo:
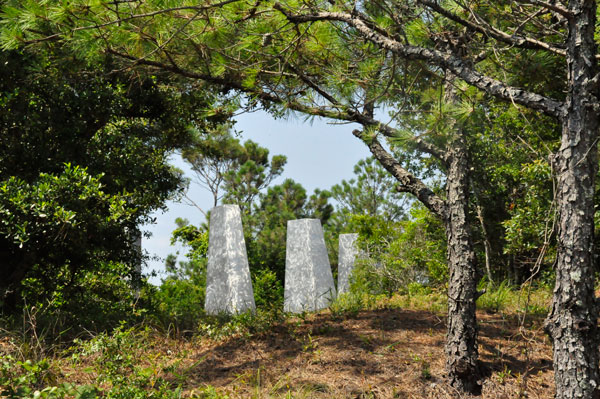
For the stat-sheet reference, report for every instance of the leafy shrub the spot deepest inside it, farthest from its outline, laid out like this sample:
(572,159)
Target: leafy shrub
(180,304)
(117,362)
(268,289)
(415,289)
(397,254)
(495,299)
(96,301)
(348,304)
(36,380)
(53,229)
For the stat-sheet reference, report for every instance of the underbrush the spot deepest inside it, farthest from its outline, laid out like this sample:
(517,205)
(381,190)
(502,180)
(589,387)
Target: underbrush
(501,298)
(121,364)
(129,362)
(147,361)
(523,301)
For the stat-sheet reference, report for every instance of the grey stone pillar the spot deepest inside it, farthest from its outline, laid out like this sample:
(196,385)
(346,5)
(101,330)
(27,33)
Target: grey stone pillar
(228,283)
(137,245)
(308,280)
(135,239)
(346,258)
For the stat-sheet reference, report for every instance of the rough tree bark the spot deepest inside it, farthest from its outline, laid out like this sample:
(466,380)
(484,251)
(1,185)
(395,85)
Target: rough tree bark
(462,363)
(572,323)
(461,339)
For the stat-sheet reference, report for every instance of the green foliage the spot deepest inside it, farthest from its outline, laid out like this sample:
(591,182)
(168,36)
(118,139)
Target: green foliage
(84,161)
(33,212)
(398,254)
(230,170)
(349,304)
(531,211)
(209,392)
(495,298)
(181,294)
(370,193)
(99,300)
(17,377)
(197,240)
(35,380)
(527,300)
(513,188)
(268,289)
(52,225)
(244,324)
(180,304)
(117,362)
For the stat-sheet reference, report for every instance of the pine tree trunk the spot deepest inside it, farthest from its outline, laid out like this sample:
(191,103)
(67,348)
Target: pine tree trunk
(572,323)
(461,341)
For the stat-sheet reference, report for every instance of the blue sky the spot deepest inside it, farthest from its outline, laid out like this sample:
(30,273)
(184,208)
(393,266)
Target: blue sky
(319,155)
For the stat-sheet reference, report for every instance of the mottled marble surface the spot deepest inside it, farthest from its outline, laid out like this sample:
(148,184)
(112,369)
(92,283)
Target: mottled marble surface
(228,283)
(136,236)
(309,282)
(346,258)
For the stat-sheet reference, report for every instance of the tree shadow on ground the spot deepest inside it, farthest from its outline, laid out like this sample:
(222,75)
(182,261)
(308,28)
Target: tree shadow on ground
(384,346)
(507,345)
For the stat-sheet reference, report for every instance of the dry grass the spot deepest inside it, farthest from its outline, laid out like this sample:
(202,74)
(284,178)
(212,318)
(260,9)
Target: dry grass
(380,353)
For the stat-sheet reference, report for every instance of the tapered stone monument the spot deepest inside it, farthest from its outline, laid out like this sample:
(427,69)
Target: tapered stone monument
(228,283)
(346,258)
(136,236)
(308,280)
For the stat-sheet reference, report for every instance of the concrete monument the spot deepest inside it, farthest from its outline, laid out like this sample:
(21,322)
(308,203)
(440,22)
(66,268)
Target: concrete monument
(228,283)
(308,280)
(346,257)
(137,245)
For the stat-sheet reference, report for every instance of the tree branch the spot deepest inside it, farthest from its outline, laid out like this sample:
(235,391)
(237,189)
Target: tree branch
(409,183)
(129,18)
(552,7)
(441,59)
(483,27)
(348,115)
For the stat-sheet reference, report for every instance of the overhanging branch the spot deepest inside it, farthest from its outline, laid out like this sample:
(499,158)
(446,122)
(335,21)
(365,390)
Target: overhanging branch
(341,114)
(409,183)
(485,28)
(441,59)
(549,6)
(130,17)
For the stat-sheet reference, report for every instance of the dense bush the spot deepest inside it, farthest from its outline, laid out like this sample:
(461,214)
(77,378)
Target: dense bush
(397,255)
(268,289)
(83,161)
(180,304)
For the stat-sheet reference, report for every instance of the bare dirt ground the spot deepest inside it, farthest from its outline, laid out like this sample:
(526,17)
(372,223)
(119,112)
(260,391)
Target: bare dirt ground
(385,353)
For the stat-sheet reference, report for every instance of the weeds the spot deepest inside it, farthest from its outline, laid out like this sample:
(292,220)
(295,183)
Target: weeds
(496,298)
(244,324)
(134,363)
(508,299)
(433,301)
(118,362)
(504,375)
(349,304)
